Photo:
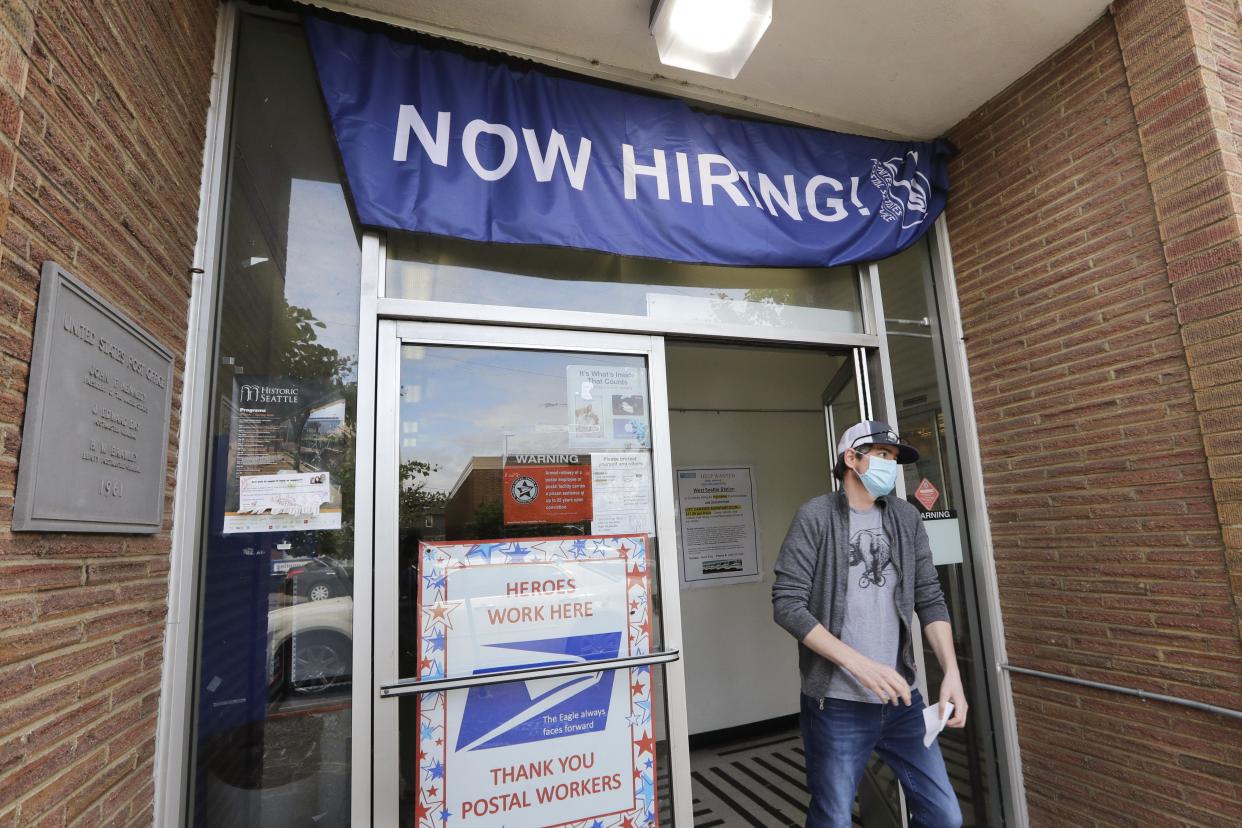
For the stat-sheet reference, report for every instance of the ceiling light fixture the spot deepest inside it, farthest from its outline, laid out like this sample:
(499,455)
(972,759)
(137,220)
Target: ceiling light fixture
(711,36)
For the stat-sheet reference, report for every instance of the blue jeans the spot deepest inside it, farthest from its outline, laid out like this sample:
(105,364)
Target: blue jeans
(838,741)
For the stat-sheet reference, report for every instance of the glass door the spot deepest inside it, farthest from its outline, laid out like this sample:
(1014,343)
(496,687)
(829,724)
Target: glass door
(526,619)
(847,400)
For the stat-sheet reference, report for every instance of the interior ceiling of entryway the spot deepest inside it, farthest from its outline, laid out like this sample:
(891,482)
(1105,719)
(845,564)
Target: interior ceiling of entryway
(908,68)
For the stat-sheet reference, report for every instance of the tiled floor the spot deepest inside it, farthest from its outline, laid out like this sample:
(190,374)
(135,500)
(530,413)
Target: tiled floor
(761,783)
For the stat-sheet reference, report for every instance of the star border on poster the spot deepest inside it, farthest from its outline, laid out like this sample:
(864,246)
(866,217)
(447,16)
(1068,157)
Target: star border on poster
(435,560)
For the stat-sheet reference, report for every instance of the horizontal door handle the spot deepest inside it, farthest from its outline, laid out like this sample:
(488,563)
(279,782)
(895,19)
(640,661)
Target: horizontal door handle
(414,687)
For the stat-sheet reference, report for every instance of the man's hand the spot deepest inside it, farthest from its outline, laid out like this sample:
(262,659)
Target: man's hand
(885,682)
(951,691)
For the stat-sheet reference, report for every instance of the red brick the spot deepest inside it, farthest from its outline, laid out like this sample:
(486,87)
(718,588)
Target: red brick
(26,578)
(1105,526)
(99,573)
(71,601)
(62,785)
(25,644)
(33,707)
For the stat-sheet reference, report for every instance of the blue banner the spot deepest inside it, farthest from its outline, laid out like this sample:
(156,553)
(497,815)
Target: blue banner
(437,142)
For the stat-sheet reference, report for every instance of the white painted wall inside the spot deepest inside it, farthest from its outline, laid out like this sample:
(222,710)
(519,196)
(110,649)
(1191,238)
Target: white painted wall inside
(740,666)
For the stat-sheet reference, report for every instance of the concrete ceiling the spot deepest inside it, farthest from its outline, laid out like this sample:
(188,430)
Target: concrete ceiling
(910,68)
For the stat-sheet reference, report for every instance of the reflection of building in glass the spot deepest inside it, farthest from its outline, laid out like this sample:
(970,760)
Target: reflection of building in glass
(431,526)
(477,487)
(326,416)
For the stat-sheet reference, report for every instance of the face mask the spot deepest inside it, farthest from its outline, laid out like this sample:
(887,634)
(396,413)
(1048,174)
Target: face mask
(880,477)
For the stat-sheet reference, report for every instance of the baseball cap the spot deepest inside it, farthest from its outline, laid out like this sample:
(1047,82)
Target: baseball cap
(872,433)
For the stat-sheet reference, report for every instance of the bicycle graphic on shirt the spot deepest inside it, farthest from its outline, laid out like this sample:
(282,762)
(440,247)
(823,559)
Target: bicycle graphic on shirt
(870,547)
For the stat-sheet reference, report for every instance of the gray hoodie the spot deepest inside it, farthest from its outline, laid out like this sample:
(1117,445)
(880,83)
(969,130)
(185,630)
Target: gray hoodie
(812,572)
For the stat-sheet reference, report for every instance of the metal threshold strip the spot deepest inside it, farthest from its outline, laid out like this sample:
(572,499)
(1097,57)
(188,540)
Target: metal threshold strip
(414,687)
(1129,691)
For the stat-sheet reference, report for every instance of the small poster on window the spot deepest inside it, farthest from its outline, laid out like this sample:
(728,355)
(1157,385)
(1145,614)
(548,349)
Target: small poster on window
(547,488)
(608,407)
(283,437)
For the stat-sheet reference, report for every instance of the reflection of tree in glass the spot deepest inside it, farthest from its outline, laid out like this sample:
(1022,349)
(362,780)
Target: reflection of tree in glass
(417,501)
(322,373)
(757,306)
(487,521)
(297,354)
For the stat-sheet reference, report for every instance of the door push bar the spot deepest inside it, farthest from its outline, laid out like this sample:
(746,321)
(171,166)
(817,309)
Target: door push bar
(415,687)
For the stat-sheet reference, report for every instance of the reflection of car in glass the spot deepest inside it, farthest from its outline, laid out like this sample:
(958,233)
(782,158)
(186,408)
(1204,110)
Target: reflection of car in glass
(310,647)
(319,579)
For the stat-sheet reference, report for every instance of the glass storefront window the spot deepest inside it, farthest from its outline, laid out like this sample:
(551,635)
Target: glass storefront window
(924,417)
(503,444)
(271,742)
(453,270)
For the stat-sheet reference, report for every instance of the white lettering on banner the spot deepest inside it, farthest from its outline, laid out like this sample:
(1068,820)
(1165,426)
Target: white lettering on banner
(437,150)
(746,180)
(854,196)
(788,200)
(470,148)
(778,195)
(658,170)
(683,178)
(835,204)
(727,182)
(543,162)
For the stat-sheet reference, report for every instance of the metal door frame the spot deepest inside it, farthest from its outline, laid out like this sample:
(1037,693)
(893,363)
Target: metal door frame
(528,328)
(852,371)
(384,682)
(374,797)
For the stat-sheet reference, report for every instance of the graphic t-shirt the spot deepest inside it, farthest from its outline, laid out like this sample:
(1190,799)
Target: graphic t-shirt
(871,623)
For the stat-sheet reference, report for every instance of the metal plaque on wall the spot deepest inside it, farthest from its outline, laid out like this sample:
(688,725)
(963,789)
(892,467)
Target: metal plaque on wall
(95,442)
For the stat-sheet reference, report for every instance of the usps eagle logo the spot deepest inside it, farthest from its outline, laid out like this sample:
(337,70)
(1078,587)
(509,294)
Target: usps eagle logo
(518,712)
(903,189)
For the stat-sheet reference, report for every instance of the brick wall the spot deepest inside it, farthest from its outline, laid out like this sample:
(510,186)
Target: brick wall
(1110,549)
(1182,62)
(102,117)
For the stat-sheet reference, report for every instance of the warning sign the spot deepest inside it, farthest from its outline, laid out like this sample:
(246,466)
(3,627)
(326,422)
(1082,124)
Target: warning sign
(927,494)
(547,488)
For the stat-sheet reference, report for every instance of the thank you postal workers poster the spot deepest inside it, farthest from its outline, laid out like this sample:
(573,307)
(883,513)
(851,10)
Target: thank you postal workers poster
(575,750)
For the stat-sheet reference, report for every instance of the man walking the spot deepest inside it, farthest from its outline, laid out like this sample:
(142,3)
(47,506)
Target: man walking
(853,569)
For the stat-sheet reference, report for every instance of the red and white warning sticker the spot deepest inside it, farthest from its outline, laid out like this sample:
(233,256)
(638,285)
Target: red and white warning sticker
(927,494)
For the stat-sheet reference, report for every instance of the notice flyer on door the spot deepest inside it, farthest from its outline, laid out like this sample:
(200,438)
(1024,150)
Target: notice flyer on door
(719,531)
(576,750)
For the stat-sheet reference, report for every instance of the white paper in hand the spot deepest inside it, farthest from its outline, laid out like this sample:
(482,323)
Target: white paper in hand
(934,723)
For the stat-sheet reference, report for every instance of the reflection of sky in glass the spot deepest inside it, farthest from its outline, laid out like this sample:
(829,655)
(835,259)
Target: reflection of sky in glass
(822,300)
(460,403)
(324,264)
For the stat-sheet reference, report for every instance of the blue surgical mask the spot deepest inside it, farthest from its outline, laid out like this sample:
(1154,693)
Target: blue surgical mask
(880,477)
